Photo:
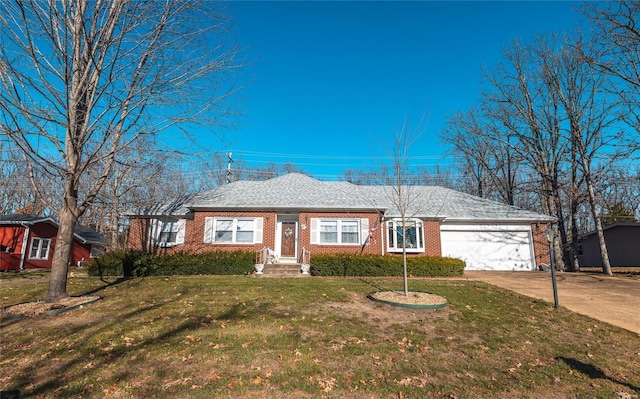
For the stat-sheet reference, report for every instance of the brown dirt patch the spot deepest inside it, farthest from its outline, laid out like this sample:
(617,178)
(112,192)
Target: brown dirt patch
(33,309)
(414,298)
(382,315)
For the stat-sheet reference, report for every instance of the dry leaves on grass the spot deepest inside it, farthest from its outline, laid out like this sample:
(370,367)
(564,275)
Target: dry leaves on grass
(32,309)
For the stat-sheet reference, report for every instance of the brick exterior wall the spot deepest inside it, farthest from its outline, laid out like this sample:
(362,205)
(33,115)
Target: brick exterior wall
(139,232)
(433,244)
(540,244)
(138,237)
(194,236)
(374,246)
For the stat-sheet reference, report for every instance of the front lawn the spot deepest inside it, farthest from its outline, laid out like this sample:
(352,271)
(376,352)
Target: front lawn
(231,336)
(31,274)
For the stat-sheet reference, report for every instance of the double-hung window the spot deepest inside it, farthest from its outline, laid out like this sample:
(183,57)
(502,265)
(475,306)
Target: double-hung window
(230,230)
(39,248)
(169,232)
(339,231)
(234,230)
(411,235)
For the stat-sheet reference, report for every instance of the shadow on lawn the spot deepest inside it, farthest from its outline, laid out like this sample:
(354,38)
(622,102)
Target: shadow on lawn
(594,372)
(107,284)
(102,358)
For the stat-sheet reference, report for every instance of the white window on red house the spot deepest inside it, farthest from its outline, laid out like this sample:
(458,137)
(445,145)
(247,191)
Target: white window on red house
(39,248)
(339,231)
(169,232)
(223,230)
(411,236)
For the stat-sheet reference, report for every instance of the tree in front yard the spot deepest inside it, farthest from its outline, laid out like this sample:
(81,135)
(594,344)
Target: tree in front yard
(82,80)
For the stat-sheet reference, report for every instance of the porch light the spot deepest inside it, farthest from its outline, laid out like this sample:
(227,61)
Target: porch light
(548,234)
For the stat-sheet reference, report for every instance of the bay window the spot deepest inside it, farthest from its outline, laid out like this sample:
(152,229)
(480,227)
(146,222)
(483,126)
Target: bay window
(411,236)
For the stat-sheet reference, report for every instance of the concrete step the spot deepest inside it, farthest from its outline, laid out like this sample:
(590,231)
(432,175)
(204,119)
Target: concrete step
(281,270)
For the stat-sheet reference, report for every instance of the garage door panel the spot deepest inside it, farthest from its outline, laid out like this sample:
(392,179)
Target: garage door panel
(489,250)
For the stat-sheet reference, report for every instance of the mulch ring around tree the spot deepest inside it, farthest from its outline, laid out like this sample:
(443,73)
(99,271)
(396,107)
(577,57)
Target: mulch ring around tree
(39,308)
(414,299)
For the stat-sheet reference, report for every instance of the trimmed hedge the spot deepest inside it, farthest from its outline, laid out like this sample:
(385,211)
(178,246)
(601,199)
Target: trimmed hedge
(116,263)
(130,263)
(384,265)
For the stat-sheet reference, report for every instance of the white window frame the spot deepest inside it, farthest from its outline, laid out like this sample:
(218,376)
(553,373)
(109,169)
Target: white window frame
(340,224)
(211,226)
(39,248)
(394,227)
(170,226)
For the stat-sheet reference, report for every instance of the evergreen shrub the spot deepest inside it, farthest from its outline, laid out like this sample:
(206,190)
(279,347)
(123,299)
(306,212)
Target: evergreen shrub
(116,263)
(348,265)
(135,263)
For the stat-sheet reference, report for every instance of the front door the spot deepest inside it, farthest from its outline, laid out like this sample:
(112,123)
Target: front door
(288,240)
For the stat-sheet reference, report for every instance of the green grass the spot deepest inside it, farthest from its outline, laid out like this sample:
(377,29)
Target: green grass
(28,274)
(224,336)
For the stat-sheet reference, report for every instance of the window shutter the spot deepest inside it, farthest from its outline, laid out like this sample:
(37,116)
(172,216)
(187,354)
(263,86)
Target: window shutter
(208,230)
(155,226)
(315,230)
(181,228)
(364,230)
(257,233)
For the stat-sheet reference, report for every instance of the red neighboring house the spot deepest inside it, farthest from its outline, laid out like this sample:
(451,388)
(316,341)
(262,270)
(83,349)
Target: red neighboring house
(27,242)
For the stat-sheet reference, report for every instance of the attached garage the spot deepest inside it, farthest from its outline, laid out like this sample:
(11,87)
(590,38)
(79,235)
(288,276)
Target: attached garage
(489,247)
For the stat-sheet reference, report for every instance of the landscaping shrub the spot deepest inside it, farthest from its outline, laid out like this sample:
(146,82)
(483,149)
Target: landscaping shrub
(135,263)
(116,263)
(182,263)
(384,265)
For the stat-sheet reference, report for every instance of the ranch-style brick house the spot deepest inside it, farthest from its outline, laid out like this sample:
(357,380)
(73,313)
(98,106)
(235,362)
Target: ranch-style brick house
(27,242)
(292,217)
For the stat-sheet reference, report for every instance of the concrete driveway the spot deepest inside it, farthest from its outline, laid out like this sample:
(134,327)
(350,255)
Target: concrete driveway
(615,300)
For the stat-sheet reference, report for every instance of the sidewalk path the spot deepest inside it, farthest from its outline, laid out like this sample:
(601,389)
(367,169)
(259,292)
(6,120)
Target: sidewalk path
(615,300)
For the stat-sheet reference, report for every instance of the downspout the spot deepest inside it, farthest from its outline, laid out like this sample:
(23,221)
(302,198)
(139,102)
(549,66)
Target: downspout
(25,241)
(382,230)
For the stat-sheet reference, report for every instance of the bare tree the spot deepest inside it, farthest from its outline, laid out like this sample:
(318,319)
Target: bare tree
(591,116)
(16,192)
(398,178)
(620,190)
(82,80)
(613,49)
(487,149)
(529,112)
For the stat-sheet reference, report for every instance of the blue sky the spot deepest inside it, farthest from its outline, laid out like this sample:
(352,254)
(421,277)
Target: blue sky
(331,82)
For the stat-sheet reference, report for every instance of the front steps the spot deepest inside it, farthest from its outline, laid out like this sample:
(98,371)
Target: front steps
(281,270)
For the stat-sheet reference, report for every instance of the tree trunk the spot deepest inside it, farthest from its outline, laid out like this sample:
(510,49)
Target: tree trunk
(575,264)
(604,253)
(60,260)
(404,260)
(555,208)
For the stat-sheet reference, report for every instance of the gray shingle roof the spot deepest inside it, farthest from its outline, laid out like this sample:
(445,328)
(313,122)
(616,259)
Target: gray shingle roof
(299,192)
(291,191)
(174,208)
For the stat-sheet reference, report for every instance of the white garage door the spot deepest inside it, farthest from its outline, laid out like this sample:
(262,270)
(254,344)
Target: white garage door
(489,250)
